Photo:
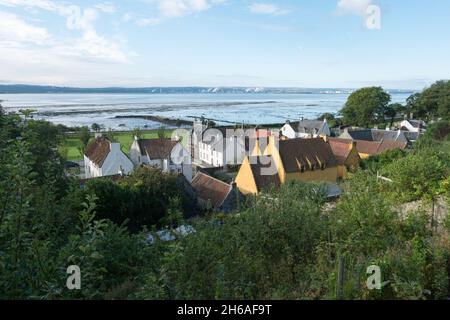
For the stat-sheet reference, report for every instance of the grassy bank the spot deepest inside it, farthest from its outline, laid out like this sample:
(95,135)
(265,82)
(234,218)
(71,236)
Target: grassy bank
(72,145)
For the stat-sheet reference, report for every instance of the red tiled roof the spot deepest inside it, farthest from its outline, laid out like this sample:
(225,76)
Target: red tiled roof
(374,147)
(97,150)
(211,189)
(295,153)
(157,148)
(341,149)
(391,145)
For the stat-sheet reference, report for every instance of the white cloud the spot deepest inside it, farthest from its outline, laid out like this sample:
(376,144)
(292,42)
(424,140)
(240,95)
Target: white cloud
(14,30)
(89,45)
(267,8)
(176,8)
(357,7)
(106,7)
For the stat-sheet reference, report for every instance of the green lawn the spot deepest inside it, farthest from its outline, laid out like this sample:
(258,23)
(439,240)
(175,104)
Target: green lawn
(73,144)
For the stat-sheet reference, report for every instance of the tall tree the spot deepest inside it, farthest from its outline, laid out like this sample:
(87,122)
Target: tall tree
(392,110)
(434,102)
(366,106)
(85,135)
(413,107)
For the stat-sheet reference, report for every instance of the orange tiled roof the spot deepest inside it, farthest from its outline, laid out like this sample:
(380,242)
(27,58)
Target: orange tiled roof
(209,188)
(157,148)
(97,150)
(373,147)
(341,149)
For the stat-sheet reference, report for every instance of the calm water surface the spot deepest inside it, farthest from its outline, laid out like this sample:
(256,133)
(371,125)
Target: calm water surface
(260,108)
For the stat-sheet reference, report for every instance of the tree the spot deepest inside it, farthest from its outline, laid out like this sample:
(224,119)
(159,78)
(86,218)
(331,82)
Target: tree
(327,116)
(162,133)
(392,110)
(434,102)
(2,114)
(84,136)
(413,106)
(137,132)
(96,127)
(142,199)
(366,106)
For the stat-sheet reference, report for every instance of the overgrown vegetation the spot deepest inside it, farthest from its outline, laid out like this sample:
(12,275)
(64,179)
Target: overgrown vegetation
(287,244)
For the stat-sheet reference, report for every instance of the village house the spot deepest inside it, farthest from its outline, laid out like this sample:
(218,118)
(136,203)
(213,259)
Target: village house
(367,149)
(255,175)
(217,146)
(216,195)
(346,155)
(308,160)
(168,155)
(303,159)
(380,135)
(306,129)
(413,126)
(105,158)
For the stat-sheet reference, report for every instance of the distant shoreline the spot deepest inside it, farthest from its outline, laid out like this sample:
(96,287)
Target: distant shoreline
(35,89)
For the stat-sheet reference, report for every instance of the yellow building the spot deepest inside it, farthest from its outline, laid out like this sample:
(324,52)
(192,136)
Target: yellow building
(257,174)
(308,160)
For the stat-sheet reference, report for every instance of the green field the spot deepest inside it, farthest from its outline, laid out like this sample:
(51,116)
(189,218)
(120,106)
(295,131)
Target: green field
(73,144)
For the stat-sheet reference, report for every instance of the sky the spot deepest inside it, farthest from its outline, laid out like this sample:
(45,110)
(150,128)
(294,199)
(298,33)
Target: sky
(403,44)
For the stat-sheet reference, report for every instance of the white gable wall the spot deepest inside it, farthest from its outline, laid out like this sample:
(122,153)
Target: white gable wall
(115,161)
(91,169)
(288,131)
(409,126)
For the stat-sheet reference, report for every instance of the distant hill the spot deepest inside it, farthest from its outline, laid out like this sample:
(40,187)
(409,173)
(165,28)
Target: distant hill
(22,88)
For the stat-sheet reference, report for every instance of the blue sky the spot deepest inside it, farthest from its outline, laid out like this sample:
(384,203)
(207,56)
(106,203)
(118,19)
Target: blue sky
(302,43)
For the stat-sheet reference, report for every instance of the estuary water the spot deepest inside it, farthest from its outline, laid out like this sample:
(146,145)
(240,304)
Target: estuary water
(111,110)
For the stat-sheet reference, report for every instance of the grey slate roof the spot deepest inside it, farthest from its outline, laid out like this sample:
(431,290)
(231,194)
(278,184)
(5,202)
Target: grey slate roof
(380,135)
(308,126)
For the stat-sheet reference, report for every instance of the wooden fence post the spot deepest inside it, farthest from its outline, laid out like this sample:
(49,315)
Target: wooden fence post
(340,279)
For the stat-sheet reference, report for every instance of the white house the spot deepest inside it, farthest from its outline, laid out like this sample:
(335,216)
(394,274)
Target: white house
(306,129)
(105,158)
(217,149)
(413,125)
(168,155)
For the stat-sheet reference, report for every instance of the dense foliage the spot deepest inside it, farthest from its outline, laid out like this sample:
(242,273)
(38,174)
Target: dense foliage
(289,243)
(366,106)
(433,102)
(141,199)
